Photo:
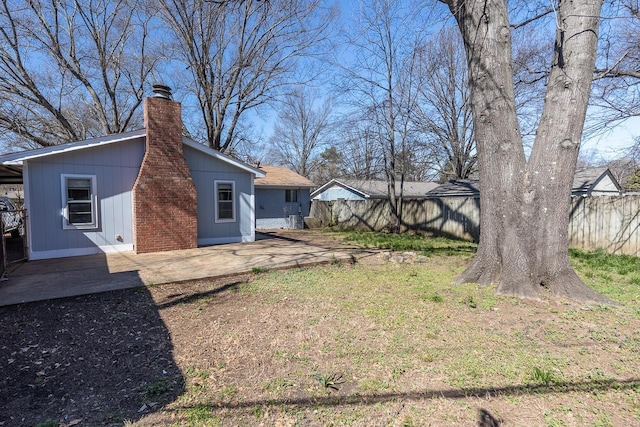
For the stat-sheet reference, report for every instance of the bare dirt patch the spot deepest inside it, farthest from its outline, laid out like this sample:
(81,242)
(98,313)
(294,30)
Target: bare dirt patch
(92,360)
(384,344)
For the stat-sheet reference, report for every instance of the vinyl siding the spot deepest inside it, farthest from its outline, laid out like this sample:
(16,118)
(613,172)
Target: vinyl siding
(115,167)
(204,171)
(337,193)
(273,212)
(605,187)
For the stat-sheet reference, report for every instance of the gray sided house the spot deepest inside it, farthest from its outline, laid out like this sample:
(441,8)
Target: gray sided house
(282,198)
(361,189)
(144,191)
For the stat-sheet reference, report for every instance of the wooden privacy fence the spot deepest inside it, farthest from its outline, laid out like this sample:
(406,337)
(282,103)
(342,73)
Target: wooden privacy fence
(608,222)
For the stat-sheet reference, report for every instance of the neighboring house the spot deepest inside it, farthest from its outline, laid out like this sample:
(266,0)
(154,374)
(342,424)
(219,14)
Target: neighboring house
(595,182)
(282,198)
(360,189)
(145,191)
(586,182)
(469,188)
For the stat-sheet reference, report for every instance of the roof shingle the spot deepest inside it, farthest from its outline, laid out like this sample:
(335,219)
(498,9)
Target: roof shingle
(279,176)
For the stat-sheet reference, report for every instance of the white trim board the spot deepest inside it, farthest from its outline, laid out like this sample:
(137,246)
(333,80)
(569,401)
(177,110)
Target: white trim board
(65,253)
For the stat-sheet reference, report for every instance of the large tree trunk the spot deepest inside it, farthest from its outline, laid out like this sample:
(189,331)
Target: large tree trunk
(525,204)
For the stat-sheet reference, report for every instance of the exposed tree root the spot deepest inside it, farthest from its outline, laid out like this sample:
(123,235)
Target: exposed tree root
(480,271)
(515,289)
(566,284)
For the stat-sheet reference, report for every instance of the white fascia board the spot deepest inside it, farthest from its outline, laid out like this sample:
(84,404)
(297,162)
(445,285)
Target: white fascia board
(225,158)
(352,189)
(20,157)
(335,182)
(323,187)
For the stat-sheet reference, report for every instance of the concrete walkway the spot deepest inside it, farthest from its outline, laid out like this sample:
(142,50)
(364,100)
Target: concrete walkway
(64,277)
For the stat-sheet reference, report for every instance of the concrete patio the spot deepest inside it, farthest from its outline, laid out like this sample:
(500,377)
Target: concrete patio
(65,277)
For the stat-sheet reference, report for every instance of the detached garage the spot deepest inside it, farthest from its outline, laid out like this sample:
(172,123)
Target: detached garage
(145,191)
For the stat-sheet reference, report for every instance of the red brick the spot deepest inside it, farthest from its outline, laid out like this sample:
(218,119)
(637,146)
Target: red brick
(164,195)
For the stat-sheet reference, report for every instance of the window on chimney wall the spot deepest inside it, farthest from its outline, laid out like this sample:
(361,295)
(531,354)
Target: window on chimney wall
(79,202)
(225,201)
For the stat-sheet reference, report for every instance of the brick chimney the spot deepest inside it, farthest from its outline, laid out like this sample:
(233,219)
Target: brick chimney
(164,195)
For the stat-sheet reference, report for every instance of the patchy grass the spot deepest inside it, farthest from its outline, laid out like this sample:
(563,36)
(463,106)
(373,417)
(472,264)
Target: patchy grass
(345,344)
(616,276)
(397,344)
(410,242)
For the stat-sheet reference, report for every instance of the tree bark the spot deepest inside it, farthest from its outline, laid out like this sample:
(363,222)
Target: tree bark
(525,203)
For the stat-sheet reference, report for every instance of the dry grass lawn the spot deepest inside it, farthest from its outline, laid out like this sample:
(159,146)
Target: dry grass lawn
(370,344)
(396,345)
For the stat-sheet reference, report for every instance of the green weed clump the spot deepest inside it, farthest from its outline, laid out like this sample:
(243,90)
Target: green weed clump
(158,387)
(542,376)
(329,381)
(435,298)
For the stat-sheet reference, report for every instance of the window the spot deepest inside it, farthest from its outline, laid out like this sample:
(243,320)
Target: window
(225,205)
(79,201)
(291,196)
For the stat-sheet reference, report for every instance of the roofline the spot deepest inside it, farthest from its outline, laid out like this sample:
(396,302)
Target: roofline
(613,179)
(224,157)
(19,157)
(341,184)
(257,184)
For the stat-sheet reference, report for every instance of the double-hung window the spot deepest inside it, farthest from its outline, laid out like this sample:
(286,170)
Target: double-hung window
(79,201)
(291,196)
(225,201)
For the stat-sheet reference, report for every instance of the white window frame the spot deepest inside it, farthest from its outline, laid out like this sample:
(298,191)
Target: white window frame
(66,225)
(216,201)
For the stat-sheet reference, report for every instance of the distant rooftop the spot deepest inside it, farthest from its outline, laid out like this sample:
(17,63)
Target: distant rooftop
(279,176)
(377,189)
(457,188)
(584,180)
(587,177)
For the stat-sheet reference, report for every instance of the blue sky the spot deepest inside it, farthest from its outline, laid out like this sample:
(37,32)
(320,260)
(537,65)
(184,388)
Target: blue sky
(608,145)
(611,144)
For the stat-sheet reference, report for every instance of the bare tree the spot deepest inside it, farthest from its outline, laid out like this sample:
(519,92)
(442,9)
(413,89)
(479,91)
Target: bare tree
(242,54)
(626,167)
(615,93)
(525,201)
(443,114)
(632,181)
(71,69)
(622,169)
(301,132)
(382,83)
(361,151)
(616,89)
